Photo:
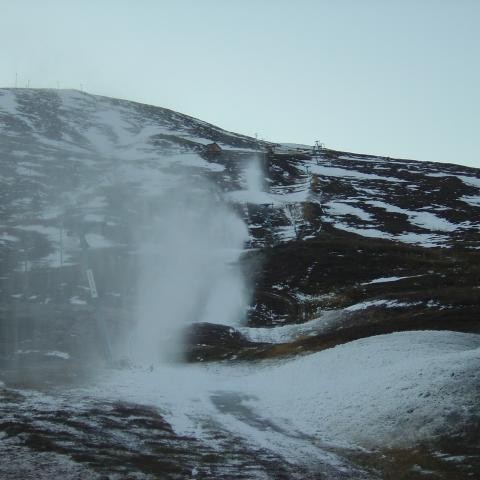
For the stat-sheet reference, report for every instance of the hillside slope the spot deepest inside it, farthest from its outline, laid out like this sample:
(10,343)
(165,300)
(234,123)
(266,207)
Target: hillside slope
(280,262)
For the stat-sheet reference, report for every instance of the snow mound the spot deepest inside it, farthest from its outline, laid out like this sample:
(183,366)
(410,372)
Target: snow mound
(395,390)
(388,390)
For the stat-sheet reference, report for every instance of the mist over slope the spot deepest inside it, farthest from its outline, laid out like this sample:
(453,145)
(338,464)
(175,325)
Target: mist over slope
(132,248)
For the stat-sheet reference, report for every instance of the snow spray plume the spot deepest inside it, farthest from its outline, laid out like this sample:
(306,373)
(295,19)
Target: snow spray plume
(254,177)
(189,271)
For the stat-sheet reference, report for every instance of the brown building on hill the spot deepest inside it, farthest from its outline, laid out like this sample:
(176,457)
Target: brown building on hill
(213,148)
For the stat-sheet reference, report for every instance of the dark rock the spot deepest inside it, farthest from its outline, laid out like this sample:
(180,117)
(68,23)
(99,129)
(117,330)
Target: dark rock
(208,341)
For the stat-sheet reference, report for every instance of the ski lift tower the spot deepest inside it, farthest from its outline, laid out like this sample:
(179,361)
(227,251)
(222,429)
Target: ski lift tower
(94,297)
(317,148)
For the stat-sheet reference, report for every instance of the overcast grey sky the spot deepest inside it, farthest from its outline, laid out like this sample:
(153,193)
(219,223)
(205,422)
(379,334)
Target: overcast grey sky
(398,78)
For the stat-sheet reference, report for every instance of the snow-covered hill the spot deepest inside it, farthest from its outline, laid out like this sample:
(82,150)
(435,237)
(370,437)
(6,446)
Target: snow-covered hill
(341,292)
(64,150)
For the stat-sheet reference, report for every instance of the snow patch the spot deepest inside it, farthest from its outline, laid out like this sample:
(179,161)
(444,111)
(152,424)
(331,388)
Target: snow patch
(473,200)
(77,301)
(95,240)
(426,220)
(386,280)
(8,102)
(470,181)
(380,303)
(342,172)
(56,353)
(342,209)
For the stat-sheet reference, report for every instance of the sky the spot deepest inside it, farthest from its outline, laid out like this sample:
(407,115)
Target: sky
(399,78)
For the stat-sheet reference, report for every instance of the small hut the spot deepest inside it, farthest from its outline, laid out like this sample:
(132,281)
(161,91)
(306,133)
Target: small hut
(213,149)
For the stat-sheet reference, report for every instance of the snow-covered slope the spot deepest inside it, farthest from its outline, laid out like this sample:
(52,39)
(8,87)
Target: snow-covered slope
(69,153)
(64,150)
(393,390)
(341,290)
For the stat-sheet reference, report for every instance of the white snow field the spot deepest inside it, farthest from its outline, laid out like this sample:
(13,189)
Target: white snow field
(384,391)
